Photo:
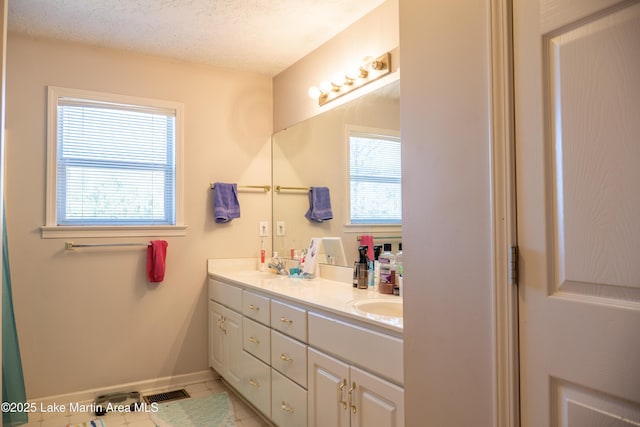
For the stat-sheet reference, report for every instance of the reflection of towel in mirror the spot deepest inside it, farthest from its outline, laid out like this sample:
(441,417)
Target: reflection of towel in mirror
(367,241)
(156,260)
(225,202)
(319,205)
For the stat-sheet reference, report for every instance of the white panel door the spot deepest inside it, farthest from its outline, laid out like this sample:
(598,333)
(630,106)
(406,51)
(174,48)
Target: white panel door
(327,393)
(375,402)
(216,337)
(234,362)
(577,121)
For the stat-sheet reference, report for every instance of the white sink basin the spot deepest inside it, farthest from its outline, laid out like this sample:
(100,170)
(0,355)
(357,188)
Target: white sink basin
(380,307)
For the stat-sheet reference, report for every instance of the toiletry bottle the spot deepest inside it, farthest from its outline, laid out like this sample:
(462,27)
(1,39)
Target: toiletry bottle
(400,269)
(363,268)
(262,254)
(371,275)
(377,250)
(386,259)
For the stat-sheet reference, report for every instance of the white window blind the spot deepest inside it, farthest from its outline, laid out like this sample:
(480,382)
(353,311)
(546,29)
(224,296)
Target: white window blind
(116,163)
(375,178)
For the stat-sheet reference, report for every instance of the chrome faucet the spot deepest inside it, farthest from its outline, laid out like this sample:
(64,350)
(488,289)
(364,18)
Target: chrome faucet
(278,266)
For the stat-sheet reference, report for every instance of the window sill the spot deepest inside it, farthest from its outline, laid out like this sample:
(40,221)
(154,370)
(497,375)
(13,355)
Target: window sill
(58,232)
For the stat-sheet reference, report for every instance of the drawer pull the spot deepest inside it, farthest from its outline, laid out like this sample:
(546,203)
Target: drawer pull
(253,382)
(285,320)
(286,407)
(350,393)
(285,358)
(254,307)
(254,340)
(341,393)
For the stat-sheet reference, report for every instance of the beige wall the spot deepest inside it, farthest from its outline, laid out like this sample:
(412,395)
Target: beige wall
(445,125)
(89,319)
(374,34)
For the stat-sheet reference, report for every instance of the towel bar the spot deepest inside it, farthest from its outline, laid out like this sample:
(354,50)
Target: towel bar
(70,245)
(264,188)
(280,188)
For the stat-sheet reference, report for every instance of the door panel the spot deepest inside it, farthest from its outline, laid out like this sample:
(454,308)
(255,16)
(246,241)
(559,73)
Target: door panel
(328,385)
(233,333)
(577,121)
(593,133)
(216,338)
(377,403)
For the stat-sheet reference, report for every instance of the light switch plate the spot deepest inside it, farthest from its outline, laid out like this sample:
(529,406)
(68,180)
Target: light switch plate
(264,228)
(280,228)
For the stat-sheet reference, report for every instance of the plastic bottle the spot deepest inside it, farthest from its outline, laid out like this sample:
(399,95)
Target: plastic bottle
(363,268)
(377,250)
(399,269)
(387,270)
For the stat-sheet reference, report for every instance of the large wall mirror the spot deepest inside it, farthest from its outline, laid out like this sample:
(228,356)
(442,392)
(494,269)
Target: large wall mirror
(315,153)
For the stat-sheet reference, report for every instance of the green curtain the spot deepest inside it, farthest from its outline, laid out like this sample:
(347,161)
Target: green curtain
(13,390)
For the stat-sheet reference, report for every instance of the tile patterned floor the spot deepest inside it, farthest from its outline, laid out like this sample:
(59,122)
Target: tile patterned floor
(245,416)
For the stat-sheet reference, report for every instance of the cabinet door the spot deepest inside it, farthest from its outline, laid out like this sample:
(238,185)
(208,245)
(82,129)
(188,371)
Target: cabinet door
(234,361)
(288,402)
(375,402)
(327,391)
(216,337)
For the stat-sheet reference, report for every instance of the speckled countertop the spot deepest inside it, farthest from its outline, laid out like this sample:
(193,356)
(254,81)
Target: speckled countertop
(319,293)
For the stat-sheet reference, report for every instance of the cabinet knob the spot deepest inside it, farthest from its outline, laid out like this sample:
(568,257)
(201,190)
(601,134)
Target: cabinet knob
(285,358)
(254,340)
(286,407)
(254,382)
(285,320)
(254,307)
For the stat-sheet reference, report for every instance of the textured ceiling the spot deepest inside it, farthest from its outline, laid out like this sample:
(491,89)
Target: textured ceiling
(264,36)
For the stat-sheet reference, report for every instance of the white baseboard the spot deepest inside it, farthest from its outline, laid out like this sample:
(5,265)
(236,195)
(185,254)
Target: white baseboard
(145,386)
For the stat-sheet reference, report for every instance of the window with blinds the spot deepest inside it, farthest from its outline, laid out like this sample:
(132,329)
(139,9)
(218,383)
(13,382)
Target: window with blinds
(115,160)
(375,178)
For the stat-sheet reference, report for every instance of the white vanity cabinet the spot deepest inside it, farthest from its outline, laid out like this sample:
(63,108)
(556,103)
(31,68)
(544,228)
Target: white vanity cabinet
(300,365)
(355,390)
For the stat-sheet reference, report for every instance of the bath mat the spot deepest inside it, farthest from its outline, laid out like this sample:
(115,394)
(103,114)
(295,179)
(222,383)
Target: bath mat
(209,411)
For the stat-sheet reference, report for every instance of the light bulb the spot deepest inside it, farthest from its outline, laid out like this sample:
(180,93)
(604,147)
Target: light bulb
(338,79)
(314,92)
(353,72)
(325,86)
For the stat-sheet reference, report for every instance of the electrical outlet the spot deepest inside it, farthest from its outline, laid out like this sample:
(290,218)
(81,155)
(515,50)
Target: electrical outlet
(264,228)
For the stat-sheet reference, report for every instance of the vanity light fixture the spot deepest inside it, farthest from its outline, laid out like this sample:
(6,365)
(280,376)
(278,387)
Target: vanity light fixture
(342,83)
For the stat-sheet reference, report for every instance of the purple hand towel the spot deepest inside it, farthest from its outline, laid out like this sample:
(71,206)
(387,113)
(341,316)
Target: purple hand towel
(225,202)
(319,205)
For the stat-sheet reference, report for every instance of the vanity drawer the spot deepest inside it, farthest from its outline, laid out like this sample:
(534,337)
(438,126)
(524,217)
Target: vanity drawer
(256,307)
(256,383)
(288,402)
(289,357)
(226,294)
(376,352)
(289,320)
(256,339)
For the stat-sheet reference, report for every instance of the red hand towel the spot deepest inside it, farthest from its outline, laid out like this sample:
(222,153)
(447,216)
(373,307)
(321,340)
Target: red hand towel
(368,241)
(156,256)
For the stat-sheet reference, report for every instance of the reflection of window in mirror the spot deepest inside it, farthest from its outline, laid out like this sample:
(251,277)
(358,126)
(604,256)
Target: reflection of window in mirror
(375,195)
